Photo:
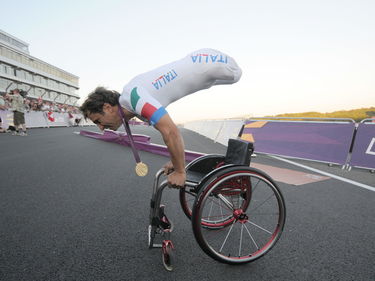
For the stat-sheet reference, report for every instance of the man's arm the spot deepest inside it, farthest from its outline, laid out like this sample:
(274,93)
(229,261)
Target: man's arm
(173,139)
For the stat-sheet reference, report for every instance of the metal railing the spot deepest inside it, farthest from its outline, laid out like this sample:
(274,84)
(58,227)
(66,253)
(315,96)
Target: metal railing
(302,119)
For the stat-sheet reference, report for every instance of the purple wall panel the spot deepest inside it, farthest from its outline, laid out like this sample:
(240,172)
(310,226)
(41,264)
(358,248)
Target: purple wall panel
(327,142)
(363,154)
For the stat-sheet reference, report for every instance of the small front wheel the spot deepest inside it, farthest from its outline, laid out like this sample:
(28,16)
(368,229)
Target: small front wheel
(167,255)
(151,235)
(250,209)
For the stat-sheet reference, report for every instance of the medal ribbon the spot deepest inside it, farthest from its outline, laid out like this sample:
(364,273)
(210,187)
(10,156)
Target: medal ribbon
(127,128)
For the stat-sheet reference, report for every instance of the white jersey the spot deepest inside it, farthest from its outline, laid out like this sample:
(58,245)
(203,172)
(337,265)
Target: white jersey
(147,94)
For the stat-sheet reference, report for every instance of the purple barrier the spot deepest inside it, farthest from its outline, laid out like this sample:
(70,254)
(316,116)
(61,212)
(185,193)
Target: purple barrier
(319,141)
(363,154)
(142,142)
(117,137)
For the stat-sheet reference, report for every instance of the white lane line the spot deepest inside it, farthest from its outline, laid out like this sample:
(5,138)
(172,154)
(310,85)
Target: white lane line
(326,174)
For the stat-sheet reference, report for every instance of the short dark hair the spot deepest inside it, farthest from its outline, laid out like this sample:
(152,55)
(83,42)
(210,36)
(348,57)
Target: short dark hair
(96,99)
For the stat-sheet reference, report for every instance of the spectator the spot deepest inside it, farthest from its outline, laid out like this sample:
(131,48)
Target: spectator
(77,121)
(18,108)
(39,104)
(45,106)
(71,119)
(27,104)
(53,107)
(32,102)
(2,103)
(34,105)
(2,130)
(2,107)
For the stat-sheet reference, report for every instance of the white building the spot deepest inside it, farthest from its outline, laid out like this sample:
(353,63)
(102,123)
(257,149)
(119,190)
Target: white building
(18,69)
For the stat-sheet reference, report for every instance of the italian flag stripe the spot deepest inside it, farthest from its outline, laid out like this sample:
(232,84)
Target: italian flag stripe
(148,110)
(134,98)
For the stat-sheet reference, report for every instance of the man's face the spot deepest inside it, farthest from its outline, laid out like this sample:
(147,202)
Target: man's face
(109,119)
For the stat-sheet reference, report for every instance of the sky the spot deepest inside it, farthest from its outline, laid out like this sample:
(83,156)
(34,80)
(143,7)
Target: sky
(295,55)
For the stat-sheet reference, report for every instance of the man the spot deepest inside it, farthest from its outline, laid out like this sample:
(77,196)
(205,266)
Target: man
(2,107)
(147,95)
(18,107)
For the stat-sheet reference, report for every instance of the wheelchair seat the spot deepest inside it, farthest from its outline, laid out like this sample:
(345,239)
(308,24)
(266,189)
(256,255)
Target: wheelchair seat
(238,153)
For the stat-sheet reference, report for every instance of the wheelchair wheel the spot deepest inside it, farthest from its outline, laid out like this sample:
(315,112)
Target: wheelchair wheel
(202,165)
(187,199)
(251,218)
(237,190)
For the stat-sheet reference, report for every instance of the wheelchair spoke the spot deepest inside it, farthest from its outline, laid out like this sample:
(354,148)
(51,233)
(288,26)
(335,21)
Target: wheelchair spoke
(251,237)
(272,195)
(222,199)
(255,187)
(259,227)
(217,218)
(209,213)
(239,251)
(226,202)
(226,238)
(221,209)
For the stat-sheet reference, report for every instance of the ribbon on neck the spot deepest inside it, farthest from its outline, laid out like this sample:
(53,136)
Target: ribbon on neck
(141,168)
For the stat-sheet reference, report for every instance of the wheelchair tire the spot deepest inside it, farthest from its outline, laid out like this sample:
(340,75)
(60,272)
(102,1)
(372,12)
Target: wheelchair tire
(249,227)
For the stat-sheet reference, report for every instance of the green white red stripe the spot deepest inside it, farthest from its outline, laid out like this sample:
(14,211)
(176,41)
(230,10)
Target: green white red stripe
(147,110)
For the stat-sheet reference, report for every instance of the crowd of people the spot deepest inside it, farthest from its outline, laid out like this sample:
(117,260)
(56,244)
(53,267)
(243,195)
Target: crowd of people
(32,104)
(18,102)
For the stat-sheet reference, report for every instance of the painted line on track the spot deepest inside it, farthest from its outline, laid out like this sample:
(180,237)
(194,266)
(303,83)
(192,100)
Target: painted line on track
(368,187)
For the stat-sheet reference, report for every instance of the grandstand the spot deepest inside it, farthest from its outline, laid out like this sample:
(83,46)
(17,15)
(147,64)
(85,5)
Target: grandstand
(41,81)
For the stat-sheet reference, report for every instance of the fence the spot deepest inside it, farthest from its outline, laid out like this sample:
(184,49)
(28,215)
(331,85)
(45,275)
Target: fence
(38,119)
(363,151)
(328,141)
(335,141)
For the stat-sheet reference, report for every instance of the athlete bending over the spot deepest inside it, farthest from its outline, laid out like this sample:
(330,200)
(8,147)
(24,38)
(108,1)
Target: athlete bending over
(147,95)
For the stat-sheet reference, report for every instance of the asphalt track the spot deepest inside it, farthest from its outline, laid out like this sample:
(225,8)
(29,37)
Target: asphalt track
(71,208)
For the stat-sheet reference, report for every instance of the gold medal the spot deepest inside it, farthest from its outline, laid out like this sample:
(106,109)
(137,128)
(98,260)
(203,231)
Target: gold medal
(141,169)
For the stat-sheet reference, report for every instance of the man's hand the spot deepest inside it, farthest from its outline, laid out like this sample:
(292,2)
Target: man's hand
(177,179)
(168,168)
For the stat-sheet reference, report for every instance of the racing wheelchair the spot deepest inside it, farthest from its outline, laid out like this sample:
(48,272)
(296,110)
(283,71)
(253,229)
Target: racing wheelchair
(237,212)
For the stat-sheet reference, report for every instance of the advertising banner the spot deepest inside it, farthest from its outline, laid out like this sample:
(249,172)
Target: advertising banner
(363,154)
(7,118)
(320,141)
